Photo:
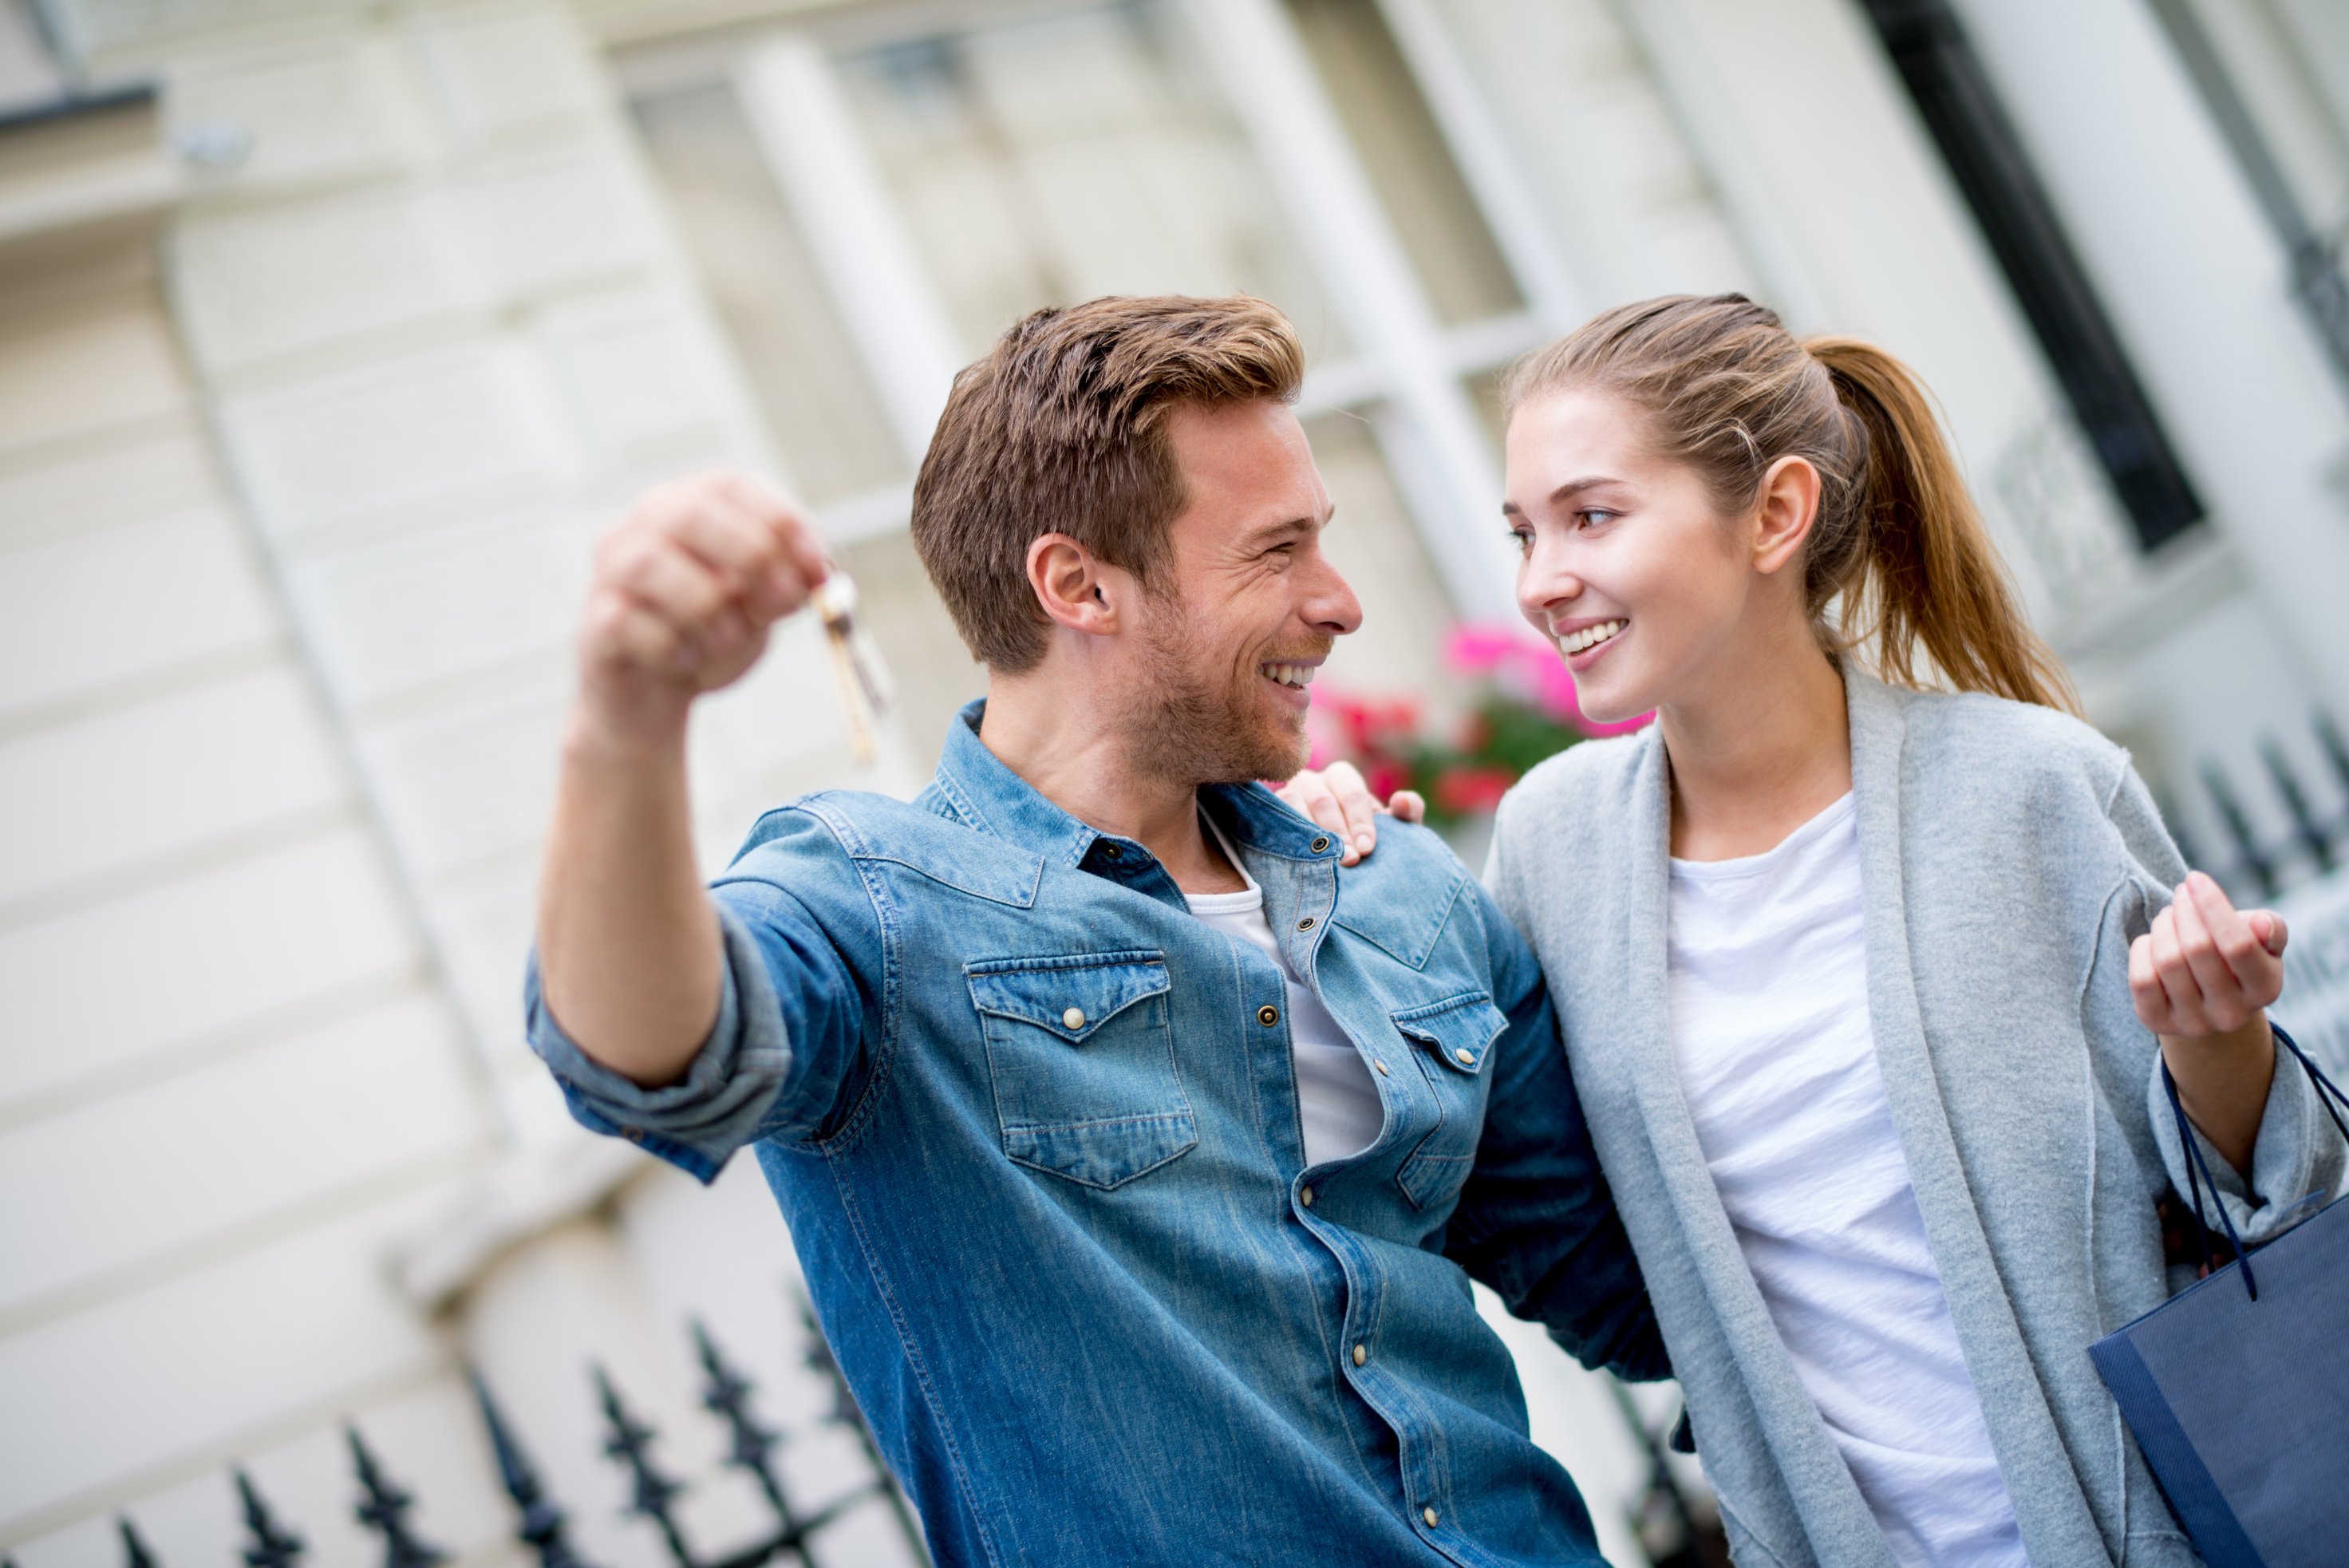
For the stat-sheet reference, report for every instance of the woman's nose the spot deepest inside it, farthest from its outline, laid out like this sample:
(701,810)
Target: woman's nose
(1544,583)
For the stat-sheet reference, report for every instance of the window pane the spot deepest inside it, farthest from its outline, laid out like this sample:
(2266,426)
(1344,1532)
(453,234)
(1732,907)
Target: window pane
(1052,160)
(1404,152)
(824,412)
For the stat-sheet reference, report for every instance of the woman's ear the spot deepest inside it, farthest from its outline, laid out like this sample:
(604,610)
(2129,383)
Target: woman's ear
(1789,505)
(1075,588)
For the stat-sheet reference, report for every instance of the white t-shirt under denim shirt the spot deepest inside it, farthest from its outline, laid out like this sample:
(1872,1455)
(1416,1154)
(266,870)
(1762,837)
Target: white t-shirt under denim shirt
(1777,1062)
(1336,1099)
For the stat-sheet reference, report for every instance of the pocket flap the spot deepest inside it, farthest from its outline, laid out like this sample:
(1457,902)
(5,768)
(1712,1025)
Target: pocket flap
(1072,995)
(1458,1031)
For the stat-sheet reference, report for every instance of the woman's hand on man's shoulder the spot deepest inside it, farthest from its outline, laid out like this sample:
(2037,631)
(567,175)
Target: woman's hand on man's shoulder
(1339,798)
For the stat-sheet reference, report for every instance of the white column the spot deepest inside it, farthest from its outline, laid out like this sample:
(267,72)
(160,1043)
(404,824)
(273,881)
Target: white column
(851,226)
(1481,147)
(1454,484)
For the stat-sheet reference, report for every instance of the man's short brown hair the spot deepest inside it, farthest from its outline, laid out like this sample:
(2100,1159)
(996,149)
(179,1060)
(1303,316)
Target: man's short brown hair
(1061,429)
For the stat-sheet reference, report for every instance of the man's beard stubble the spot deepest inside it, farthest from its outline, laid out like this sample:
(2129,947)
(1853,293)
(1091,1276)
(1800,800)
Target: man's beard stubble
(1202,730)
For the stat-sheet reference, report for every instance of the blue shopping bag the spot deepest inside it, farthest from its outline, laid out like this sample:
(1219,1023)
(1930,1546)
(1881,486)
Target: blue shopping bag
(2238,1386)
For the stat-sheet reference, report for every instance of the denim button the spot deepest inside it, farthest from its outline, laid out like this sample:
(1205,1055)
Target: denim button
(1073,1019)
(1428,1514)
(634,1135)
(1320,845)
(1306,924)
(1382,1066)
(1111,851)
(1467,1058)
(1306,1198)
(1362,1354)
(1268,1015)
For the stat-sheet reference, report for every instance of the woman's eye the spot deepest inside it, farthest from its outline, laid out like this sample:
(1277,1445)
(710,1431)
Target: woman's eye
(1592,517)
(1523,538)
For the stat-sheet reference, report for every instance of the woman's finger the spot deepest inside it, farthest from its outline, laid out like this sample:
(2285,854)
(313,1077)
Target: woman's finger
(2221,989)
(2269,927)
(2258,973)
(2176,975)
(1360,829)
(2145,988)
(1407,806)
(1309,793)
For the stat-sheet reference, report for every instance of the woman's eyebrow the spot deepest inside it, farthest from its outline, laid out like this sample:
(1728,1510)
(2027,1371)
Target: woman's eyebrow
(1564,492)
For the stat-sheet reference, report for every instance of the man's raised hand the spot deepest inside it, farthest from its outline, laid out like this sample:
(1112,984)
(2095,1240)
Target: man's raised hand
(686,587)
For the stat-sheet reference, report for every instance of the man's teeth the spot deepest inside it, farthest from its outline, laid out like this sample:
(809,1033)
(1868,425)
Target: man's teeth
(1297,675)
(1589,636)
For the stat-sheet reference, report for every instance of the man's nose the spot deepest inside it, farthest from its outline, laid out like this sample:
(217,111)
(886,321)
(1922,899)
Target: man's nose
(1333,607)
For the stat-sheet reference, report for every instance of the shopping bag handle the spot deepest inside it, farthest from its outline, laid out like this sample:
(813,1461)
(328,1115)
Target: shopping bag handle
(2327,1093)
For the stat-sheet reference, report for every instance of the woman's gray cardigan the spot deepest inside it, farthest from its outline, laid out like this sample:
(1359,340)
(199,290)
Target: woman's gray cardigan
(2008,854)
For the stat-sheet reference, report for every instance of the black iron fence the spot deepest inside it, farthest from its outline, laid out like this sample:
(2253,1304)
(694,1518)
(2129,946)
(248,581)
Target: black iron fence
(2255,868)
(382,1506)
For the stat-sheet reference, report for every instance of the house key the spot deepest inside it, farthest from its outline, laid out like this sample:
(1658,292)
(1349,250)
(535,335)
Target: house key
(866,694)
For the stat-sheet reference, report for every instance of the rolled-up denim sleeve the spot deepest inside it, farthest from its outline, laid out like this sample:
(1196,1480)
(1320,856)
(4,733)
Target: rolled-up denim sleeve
(789,1033)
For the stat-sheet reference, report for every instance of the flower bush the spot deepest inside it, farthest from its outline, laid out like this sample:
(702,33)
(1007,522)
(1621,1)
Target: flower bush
(1524,710)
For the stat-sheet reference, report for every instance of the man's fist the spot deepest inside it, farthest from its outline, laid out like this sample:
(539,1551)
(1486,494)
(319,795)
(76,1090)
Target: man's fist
(2204,968)
(686,589)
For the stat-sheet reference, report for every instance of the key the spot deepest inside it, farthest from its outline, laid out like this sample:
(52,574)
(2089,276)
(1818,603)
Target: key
(866,695)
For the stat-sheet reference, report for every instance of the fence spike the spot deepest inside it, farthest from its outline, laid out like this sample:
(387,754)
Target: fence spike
(2239,828)
(651,1493)
(2336,749)
(2311,832)
(542,1521)
(134,1551)
(750,1447)
(272,1546)
(383,1508)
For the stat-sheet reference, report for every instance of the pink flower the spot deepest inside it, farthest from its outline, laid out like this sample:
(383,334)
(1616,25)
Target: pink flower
(1480,650)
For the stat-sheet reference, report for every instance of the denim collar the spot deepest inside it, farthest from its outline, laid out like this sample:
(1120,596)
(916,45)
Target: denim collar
(986,795)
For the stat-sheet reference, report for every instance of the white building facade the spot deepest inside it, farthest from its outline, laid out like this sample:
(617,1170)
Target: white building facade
(322,362)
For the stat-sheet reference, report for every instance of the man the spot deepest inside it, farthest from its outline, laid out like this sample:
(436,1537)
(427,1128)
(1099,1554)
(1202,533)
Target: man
(1126,1139)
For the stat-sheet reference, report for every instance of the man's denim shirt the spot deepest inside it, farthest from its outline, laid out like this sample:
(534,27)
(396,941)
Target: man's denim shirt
(1034,1129)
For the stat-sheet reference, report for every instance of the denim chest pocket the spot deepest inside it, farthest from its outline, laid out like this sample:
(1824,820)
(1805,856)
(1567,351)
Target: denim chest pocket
(1082,1058)
(1452,1040)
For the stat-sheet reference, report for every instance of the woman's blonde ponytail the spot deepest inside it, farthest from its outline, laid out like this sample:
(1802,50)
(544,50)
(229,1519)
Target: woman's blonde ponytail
(1897,549)
(1925,572)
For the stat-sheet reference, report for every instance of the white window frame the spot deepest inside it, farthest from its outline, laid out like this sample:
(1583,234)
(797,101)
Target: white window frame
(1407,378)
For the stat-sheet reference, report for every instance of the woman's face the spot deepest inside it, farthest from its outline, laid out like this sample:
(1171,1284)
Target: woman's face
(1626,563)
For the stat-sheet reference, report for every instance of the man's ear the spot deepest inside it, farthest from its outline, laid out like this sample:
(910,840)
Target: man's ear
(1788,506)
(1076,588)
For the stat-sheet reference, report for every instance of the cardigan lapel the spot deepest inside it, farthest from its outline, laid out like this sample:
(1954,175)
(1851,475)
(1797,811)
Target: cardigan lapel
(1835,1517)
(2056,1523)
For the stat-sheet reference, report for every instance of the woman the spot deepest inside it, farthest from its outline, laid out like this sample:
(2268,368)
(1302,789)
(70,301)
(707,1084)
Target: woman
(1862,984)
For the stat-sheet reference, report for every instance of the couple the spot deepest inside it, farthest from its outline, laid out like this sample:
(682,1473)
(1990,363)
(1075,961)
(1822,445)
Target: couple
(1139,1136)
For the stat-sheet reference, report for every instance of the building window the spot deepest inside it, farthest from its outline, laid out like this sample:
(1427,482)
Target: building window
(1960,108)
(872,197)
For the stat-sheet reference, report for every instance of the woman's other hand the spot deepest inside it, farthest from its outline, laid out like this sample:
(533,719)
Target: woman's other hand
(1339,798)
(2202,979)
(2205,968)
